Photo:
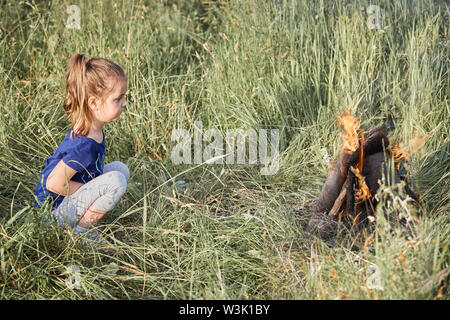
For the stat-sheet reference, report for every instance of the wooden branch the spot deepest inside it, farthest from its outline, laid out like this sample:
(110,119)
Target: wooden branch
(338,203)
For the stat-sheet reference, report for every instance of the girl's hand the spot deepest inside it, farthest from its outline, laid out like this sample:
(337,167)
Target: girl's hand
(56,180)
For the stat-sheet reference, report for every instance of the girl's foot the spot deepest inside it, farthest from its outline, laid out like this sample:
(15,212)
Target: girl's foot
(92,238)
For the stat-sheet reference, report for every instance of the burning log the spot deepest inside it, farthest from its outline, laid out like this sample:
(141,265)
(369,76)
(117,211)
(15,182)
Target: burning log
(338,175)
(354,178)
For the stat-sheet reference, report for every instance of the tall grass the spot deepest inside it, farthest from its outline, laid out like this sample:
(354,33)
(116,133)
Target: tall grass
(232,234)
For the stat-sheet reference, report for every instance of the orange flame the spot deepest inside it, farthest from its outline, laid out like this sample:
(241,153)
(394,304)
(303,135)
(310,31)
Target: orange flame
(361,153)
(350,141)
(399,154)
(363,191)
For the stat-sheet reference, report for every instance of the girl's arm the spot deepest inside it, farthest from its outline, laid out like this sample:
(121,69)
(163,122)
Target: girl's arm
(56,181)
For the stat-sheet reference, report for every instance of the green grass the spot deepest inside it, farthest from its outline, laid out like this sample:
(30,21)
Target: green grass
(232,234)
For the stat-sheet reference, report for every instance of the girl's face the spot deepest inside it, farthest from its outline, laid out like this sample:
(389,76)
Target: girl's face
(114,103)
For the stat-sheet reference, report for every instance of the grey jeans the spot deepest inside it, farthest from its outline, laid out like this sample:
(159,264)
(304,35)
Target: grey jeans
(102,192)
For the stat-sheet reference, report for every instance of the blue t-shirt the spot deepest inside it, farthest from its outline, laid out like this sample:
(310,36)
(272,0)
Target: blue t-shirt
(83,154)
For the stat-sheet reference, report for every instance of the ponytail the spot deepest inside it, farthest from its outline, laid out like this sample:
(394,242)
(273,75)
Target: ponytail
(76,102)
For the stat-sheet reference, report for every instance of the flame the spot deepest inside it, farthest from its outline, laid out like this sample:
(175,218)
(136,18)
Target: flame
(350,140)
(361,153)
(402,154)
(363,191)
(361,194)
(399,155)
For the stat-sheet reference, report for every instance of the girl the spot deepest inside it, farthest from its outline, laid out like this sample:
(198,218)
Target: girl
(74,180)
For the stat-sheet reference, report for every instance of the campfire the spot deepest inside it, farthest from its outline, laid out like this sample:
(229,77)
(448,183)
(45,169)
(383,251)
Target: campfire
(349,191)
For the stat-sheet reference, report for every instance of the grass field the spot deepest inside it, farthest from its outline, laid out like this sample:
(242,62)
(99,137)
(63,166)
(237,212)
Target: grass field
(233,233)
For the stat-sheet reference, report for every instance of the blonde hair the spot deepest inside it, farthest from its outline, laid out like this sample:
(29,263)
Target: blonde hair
(85,78)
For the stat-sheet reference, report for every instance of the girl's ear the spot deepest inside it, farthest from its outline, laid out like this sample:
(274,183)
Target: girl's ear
(93,103)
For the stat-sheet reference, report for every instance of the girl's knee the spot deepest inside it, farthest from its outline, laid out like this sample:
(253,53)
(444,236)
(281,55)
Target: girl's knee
(118,166)
(114,187)
(117,182)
